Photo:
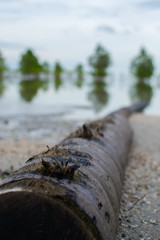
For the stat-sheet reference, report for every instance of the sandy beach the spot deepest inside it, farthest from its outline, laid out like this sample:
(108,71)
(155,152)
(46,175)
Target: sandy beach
(140,204)
(23,137)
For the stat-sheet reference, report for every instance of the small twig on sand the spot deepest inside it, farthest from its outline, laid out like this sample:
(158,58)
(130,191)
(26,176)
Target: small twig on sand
(139,199)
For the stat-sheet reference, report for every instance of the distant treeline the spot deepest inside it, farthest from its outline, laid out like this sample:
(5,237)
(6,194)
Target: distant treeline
(142,66)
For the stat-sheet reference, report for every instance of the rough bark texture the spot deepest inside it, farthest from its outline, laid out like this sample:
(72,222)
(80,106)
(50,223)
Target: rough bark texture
(73,190)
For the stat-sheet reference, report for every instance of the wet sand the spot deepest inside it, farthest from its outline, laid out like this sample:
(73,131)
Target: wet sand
(23,137)
(140,205)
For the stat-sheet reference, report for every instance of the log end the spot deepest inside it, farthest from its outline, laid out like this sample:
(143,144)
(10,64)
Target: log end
(27,215)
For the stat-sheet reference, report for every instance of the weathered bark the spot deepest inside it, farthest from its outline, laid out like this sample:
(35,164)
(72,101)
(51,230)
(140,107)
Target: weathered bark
(73,190)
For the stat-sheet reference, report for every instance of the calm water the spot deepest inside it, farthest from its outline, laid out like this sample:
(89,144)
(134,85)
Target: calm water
(72,96)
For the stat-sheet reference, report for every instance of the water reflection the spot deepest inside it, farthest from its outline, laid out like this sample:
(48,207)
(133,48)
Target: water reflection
(87,90)
(58,70)
(58,81)
(79,81)
(98,95)
(28,89)
(141,91)
(79,76)
(2,86)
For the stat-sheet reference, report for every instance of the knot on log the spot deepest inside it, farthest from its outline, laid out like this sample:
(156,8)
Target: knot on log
(92,130)
(58,169)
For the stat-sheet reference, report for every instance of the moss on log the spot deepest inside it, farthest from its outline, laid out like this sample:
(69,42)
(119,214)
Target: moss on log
(72,191)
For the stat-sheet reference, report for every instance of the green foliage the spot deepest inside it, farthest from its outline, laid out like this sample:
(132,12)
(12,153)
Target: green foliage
(2,64)
(58,68)
(29,63)
(100,61)
(79,69)
(142,66)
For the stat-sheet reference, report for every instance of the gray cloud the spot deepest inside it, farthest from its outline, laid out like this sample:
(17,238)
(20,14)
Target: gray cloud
(100,12)
(4,1)
(112,30)
(107,28)
(154,4)
(25,9)
(11,45)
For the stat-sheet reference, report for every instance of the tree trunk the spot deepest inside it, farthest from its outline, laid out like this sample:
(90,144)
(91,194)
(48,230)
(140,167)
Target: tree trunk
(72,191)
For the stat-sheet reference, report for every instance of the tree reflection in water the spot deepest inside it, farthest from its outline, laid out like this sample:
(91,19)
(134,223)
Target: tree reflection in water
(28,89)
(2,86)
(98,95)
(79,76)
(141,91)
(79,80)
(58,81)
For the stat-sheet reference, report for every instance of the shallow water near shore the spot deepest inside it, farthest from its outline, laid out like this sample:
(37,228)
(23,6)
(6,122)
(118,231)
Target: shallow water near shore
(69,97)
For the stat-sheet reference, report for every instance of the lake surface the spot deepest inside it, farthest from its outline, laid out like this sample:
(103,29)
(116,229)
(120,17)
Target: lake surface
(75,97)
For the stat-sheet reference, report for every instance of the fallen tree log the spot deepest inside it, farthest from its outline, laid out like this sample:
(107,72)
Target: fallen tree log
(72,191)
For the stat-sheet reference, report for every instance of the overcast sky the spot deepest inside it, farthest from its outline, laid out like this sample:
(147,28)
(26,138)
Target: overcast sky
(68,31)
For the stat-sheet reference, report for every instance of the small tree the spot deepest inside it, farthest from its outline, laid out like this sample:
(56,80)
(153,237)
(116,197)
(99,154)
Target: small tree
(58,68)
(100,61)
(2,65)
(79,69)
(29,63)
(142,66)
